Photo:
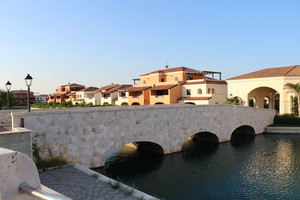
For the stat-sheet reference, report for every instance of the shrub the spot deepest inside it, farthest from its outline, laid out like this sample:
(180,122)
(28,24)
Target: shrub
(287,119)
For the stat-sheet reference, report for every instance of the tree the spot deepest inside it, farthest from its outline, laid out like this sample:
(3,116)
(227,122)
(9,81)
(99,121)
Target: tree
(296,89)
(3,100)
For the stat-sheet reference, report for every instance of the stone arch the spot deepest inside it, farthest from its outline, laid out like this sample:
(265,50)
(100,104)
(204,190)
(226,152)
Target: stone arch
(205,137)
(159,103)
(242,134)
(144,155)
(191,103)
(260,93)
(135,104)
(105,103)
(124,104)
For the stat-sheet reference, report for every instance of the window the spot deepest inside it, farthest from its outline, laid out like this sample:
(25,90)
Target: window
(212,90)
(162,80)
(144,81)
(176,78)
(188,92)
(208,91)
(122,94)
(199,91)
(189,78)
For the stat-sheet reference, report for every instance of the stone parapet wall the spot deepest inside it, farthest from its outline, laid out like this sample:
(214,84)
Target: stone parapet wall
(17,140)
(88,136)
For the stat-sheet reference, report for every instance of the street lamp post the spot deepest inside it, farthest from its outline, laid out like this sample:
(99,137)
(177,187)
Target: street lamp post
(28,81)
(8,86)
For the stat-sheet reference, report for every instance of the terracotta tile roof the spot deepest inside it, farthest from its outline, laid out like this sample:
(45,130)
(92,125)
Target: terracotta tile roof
(73,85)
(88,89)
(206,82)
(116,88)
(271,72)
(195,98)
(175,69)
(163,87)
(137,89)
(107,87)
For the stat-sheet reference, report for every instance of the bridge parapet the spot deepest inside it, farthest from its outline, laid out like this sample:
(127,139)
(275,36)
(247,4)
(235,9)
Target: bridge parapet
(87,136)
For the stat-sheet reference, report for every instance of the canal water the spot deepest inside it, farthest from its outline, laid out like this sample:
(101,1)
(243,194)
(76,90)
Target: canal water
(251,167)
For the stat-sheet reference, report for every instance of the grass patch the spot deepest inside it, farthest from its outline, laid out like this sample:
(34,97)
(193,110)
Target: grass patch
(128,191)
(114,185)
(95,175)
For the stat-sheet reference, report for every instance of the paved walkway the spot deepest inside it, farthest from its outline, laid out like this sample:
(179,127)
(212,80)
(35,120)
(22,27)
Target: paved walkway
(78,185)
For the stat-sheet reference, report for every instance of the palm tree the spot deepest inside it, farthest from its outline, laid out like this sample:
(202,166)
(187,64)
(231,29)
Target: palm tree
(296,89)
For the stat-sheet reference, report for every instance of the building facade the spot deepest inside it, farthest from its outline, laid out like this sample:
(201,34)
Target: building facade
(266,88)
(178,85)
(63,92)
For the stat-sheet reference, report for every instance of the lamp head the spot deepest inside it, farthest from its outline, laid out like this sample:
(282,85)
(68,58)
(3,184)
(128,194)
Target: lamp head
(8,85)
(28,80)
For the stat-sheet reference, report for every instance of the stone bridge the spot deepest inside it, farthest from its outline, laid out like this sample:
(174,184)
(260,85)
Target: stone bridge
(88,136)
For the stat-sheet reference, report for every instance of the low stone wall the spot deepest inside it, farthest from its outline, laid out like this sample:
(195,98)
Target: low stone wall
(87,136)
(283,130)
(17,140)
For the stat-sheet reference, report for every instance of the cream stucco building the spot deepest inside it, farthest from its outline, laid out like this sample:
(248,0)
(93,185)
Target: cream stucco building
(266,88)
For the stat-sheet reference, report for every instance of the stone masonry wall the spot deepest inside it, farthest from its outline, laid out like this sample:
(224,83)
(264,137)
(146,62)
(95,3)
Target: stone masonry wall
(87,136)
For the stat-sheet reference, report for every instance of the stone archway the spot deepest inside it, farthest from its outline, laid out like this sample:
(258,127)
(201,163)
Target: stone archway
(261,94)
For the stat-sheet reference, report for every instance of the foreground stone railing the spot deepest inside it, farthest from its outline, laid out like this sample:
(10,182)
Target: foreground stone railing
(20,179)
(16,168)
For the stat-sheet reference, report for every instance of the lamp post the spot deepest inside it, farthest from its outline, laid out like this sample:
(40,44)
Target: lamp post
(28,81)
(8,86)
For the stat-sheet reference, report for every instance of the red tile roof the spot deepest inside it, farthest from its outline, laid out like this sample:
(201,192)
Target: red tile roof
(73,85)
(107,87)
(175,69)
(163,87)
(88,89)
(271,72)
(137,89)
(116,88)
(195,98)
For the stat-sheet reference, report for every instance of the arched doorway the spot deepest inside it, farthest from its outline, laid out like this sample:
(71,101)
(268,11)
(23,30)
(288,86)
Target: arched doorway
(158,103)
(124,104)
(135,104)
(264,97)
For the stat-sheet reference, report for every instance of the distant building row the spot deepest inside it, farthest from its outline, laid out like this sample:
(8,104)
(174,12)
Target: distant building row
(167,86)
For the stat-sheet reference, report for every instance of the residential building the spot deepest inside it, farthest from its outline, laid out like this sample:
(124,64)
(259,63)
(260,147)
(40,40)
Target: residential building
(41,97)
(21,97)
(85,95)
(63,92)
(101,98)
(266,88)
(178,85)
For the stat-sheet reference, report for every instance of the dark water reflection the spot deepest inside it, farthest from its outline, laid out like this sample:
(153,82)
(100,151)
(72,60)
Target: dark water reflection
(261,167)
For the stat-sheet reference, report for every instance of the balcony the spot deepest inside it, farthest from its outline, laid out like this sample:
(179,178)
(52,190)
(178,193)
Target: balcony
(135,97)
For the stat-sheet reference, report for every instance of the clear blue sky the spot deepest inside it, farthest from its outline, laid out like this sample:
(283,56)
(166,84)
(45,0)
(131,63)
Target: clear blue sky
(95,43)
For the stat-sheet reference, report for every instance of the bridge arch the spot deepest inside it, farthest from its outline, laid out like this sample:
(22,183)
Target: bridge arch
(242,134)
(138,145)
(205,136)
